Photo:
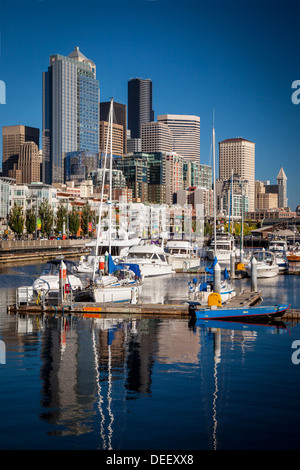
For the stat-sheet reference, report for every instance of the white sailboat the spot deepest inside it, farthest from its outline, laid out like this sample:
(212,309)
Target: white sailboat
(222,244)
(49,280)
(119,249)
(199,291)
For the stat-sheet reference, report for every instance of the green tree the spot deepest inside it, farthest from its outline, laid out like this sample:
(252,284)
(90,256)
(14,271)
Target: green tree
(87,217)
(30,220)
(16,220)
(47,217)
(74,221)
(208,229)
(61,217)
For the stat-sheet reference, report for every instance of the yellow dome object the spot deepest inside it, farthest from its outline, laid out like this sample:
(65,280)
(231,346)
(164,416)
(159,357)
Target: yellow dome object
(240,267)
(214,299)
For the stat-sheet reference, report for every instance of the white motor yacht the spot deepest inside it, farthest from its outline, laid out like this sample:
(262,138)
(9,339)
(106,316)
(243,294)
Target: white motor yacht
(151,259)
(225,245)
(181,254)
(266,264)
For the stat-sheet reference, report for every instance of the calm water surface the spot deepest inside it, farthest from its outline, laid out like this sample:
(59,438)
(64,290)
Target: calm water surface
(150,384)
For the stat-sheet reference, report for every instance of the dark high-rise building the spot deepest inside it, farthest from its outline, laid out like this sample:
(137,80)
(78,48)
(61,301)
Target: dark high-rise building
(119,117)
(139,105)
(13,137)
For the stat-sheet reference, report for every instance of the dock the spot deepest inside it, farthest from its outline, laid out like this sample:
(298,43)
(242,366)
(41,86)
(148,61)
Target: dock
(91,309)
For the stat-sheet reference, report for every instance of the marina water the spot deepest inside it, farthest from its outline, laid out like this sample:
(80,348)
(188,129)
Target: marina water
(151,383)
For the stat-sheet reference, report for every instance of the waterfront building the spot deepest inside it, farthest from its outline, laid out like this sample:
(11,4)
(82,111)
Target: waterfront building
(32,195)
(186,134)
(119,117)
(117,177)
(157,177)
(135,170)
(70,111)
(200,196)
(139,105)
(238,155)
(13,137)
(79,165)
(197,174)
(5,205)
(156,137)
(174,181)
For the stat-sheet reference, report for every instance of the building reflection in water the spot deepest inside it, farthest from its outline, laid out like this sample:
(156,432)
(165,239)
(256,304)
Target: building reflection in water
(93,369)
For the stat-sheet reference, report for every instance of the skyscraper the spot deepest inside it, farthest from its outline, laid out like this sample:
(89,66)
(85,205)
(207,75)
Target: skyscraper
(29,163)
(13,137)
(282,189)
(139,105)
(119,117)
(238,155)
(186,134)
(70,111)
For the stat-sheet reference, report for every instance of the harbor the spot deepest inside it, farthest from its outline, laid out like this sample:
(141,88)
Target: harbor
(91,379)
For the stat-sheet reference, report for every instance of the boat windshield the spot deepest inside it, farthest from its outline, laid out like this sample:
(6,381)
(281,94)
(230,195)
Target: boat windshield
(53,269)
(140,255)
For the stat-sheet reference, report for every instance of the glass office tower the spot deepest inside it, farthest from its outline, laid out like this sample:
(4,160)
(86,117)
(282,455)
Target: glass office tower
(139,105)
(70,111)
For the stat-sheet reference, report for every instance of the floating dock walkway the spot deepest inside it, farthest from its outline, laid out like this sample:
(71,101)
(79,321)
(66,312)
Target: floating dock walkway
(107,309)
(129,310)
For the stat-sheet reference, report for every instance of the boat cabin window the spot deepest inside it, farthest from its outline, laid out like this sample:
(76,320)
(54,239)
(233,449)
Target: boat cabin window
(162,257)
(139,256)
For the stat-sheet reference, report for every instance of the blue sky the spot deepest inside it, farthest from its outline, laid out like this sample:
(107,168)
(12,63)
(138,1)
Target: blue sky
(238,58)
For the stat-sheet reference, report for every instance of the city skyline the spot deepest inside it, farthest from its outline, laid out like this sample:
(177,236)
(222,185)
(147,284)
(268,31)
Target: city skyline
(235,59)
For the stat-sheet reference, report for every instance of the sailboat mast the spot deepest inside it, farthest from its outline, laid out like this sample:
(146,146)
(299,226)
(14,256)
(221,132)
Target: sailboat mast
(215,195)
(101,202)
(110,173)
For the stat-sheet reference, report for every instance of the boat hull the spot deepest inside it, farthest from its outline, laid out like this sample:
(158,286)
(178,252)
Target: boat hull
(222,255)
(239,313)
(183,263)
(263,272)
(113,294)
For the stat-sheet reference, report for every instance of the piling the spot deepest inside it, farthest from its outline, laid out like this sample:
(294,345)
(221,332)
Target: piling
(232,265)
(253,274)
(217,278)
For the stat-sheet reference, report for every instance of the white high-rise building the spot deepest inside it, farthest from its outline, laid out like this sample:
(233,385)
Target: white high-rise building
(238,155)
(156,137)
(186,134)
